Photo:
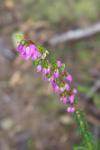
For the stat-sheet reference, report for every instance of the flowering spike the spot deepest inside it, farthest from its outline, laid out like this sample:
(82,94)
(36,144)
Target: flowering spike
(54,73)
(59,79)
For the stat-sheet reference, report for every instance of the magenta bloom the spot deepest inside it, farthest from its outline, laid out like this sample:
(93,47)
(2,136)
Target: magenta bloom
(51,79)
(70,109)
(20,48)
(71,99)
(35,53)
(59,63)
(69,78)
(45,71)
(67,87)
(39,68)
(55,87)
(24,51)
(28,52)
(56,74)
(74,91)
(63,100)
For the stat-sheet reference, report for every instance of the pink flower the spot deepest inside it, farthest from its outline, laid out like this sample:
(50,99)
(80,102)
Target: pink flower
(51,79)
(39,68)
(63,99)
(71,99)
(55,87)
(69,78)
(33,47)
(28,51)
(35,55)
(70,109)
(45,71)
(67,87)
(20,48)
(59,63)
(74,91)
(25,53)
(56,74)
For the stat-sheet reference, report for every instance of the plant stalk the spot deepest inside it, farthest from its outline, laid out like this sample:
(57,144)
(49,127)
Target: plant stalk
(86,135)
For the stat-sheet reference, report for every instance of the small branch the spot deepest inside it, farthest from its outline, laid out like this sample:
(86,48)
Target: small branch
(75,34)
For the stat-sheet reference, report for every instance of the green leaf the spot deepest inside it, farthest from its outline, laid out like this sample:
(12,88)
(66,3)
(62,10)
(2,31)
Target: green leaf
(19,37)
(79,148)
(41,48)
(45,63)
(97,100)
(76,101)
(83,89)
(35,63)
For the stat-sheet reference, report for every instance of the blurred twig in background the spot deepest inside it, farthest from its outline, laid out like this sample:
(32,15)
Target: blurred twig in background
(75,34)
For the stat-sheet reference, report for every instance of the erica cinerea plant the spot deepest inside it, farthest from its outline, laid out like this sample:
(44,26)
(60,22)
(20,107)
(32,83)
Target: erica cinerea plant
(61,82)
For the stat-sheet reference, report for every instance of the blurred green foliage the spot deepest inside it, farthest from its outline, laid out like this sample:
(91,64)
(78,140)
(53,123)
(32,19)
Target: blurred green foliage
(97,100)
(30,144)
(58,10)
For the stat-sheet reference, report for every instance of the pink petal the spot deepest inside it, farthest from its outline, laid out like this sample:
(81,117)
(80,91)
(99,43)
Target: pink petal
(69,78)
(59,63)
(39,68)
(71,98)
(67,87)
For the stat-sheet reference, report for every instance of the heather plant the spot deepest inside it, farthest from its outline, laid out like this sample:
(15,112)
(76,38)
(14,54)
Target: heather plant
(61,82)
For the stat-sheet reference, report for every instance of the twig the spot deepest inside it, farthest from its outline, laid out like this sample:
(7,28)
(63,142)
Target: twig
(75,34)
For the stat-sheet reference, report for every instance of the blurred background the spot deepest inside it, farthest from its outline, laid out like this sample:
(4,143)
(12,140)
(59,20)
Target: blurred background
(31,116)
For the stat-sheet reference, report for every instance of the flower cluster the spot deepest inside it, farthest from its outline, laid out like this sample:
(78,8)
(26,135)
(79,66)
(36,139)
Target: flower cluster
(28,50)
(54,73)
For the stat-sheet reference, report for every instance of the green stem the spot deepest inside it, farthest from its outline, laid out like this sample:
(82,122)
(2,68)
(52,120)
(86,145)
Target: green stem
(84,130)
